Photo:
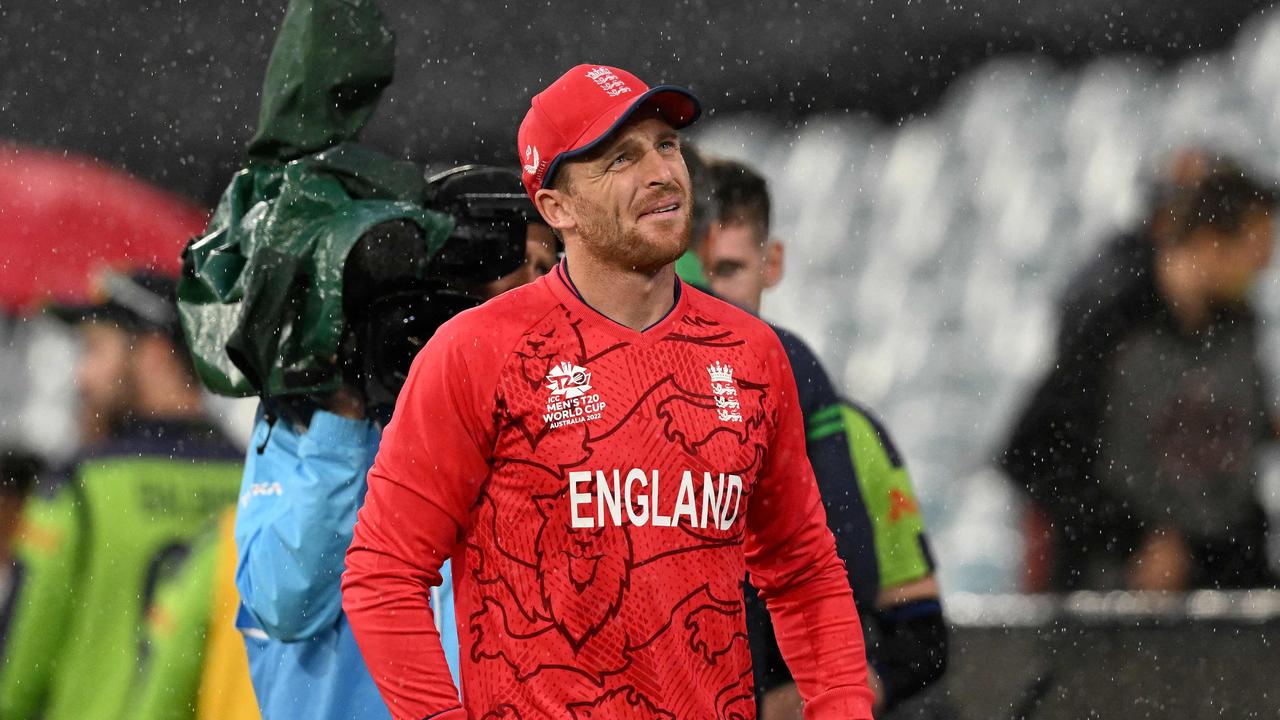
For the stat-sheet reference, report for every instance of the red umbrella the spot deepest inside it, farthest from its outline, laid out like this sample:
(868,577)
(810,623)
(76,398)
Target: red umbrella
(64,217)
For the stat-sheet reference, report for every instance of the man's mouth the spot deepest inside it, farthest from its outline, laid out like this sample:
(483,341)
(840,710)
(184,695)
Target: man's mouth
(664,209)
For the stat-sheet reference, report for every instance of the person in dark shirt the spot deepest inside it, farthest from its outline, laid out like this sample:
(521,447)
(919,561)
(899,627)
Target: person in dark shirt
(1140,444)
(871,506)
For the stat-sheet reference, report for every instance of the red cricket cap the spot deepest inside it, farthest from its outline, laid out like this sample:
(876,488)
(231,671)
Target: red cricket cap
(582,108)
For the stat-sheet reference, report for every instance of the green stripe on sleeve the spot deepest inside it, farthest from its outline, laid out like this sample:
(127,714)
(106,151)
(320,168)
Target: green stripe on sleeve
(825,431)
(825,415)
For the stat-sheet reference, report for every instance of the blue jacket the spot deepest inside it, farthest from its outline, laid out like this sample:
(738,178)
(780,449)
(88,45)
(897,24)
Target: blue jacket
(298,503)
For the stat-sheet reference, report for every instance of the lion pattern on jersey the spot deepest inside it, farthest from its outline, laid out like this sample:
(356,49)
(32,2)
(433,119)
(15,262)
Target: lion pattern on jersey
(583,574)
(577,581)
(625,703)
(588,601)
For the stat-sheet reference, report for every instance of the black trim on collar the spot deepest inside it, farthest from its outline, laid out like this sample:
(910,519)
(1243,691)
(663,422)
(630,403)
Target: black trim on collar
(562,271)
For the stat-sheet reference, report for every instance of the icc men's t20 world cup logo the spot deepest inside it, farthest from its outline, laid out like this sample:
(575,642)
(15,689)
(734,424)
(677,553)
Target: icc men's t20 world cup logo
(568,380)
(571,400)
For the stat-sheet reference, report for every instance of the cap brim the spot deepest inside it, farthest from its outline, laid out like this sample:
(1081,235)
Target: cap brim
(678,106)
(75,314)
(106,312)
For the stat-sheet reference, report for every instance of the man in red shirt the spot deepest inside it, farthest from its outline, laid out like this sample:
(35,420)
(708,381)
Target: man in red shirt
(603,453)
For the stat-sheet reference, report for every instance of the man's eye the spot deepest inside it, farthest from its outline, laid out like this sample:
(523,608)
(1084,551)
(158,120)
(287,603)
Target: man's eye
(619,160)
(669,145)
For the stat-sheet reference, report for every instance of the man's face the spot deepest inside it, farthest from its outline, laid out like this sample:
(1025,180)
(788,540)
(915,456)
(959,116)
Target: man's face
(1236,261)
(102,372)
(628,203)
(740,263)
(539,258)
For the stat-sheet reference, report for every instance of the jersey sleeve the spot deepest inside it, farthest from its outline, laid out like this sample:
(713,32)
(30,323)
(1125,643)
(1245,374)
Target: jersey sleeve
(885,486)
(835,469)
(298,504)
(792,560)
(428,473)
(176,626)
(47,550)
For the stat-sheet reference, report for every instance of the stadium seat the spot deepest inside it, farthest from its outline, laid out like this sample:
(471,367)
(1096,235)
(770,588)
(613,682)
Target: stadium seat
(925,260)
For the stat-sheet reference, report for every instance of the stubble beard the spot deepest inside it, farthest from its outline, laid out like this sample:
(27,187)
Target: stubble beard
(629,249)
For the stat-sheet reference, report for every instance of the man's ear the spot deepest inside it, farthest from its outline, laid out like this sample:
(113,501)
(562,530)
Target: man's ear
(773,264)
(554,207)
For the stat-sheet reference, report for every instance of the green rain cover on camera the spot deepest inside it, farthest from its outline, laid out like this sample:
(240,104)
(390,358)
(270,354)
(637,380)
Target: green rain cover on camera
(261,293)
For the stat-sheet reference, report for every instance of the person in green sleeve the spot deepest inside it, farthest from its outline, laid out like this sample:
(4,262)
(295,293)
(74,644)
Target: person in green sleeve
(195,667)
(177,623)
(94,553)
(879,532)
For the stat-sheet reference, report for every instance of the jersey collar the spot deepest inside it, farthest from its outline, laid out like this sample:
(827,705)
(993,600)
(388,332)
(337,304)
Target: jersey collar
(563,287)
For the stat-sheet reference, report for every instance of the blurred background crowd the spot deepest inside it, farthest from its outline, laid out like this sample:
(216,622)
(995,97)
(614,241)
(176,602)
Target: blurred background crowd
(1035,238)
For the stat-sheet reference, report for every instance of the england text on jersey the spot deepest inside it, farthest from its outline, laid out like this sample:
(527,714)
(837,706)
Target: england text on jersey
(600,497)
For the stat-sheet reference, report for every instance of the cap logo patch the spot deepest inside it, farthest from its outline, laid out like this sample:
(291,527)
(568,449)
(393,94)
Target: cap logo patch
(608,81)
(533,166)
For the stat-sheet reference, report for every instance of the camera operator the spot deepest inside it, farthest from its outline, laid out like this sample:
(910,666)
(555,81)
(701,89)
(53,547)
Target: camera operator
(305,473)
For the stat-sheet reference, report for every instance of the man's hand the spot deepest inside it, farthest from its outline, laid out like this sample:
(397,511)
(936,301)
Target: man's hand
(784,703)
(877,687)
(1161,563)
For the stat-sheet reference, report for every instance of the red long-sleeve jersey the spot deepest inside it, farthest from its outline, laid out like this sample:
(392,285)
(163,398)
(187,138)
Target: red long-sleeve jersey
(601,492)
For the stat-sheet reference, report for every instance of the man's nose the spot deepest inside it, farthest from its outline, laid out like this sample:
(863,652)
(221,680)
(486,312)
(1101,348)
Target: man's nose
(657,169)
